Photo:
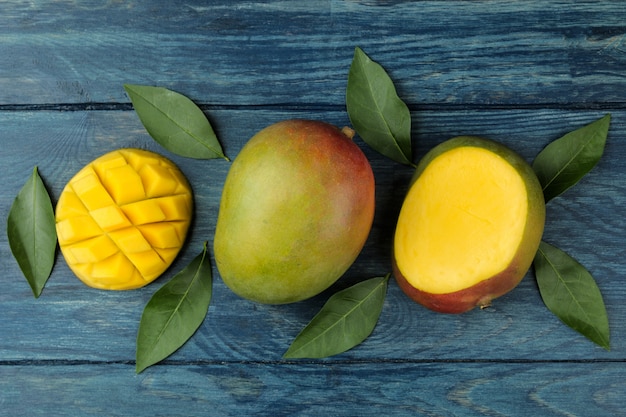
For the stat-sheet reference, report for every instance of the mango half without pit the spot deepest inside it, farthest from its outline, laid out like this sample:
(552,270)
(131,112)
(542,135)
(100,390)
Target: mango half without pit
(123,218)
(469,226)
(296,210)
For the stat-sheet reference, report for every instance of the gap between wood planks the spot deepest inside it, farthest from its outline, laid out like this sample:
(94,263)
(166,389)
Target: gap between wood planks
(69,107)
(76,362)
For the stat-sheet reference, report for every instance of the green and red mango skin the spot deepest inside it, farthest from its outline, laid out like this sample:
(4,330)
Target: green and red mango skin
(296,210)
(481,294)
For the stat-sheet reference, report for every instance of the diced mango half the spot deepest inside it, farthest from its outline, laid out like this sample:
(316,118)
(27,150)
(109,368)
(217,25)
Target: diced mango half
(122,219)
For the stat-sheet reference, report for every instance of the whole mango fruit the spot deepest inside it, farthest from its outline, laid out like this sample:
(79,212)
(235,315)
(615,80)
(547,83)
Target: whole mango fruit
(296,209)
(469,226)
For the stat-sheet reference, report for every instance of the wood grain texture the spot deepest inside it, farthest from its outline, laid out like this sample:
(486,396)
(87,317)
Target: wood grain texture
(522,73)
(278,53)
(340,389)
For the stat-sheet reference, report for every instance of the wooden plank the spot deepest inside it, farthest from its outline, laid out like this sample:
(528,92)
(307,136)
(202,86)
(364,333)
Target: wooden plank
(344,389)
(71,322)
(490,53)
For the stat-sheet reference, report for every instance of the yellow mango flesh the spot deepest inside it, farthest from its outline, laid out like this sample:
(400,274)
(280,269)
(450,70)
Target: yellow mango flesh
(122,219)
(456,230)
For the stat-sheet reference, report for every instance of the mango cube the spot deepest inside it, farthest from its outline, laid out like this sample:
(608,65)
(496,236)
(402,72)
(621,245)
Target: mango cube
(70,205)
(123,218)
(92,250)
(144,212)
(77,228)
(161,235)
(130,240)
(100,272)
(158,180)
(110,218)
(175,207)
(91,192)
(124,184)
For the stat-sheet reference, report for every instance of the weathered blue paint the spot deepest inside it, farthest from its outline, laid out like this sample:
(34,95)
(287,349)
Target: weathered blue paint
(523,73)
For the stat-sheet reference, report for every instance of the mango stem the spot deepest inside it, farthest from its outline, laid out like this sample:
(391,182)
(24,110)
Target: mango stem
(348,131)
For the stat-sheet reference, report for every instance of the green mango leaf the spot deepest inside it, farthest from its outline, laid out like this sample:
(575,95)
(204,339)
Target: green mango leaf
(346,320)
(562,163)
(31,231)
(376,112)
(174,312)
(570,292)
(175,122)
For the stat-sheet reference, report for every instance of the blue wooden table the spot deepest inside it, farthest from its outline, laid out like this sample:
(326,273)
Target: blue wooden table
(522,73)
